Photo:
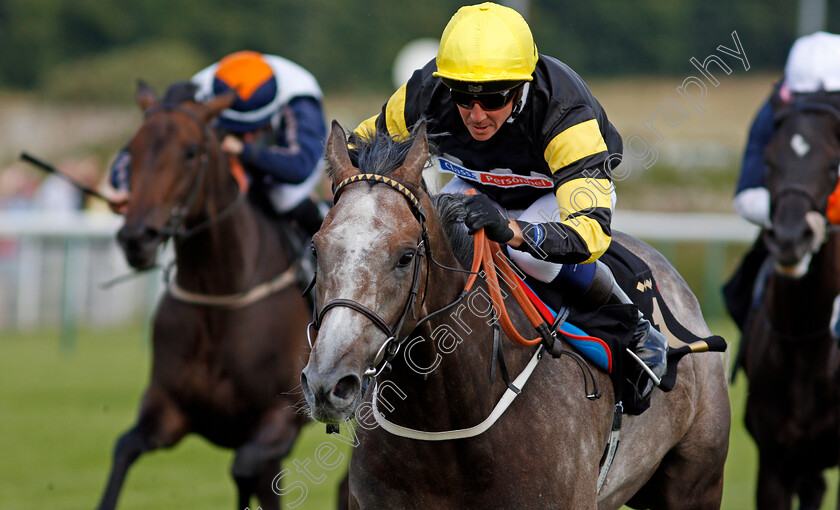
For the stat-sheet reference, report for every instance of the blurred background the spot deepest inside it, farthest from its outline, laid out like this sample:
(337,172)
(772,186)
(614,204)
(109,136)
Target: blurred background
(74,355)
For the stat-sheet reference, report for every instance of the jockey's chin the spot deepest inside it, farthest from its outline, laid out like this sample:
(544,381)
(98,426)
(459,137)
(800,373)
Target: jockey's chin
(483,124)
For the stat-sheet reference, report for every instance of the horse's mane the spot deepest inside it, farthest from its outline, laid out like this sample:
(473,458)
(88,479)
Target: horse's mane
(450,209)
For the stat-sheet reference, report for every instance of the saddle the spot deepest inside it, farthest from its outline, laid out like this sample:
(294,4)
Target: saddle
(601,336)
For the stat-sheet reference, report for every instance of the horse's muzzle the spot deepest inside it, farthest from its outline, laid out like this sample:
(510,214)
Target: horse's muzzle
(332,398)
(139,243)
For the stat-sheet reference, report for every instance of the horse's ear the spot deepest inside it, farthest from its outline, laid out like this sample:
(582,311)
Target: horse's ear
(337,155)
(145,95)
(216,105)
(412,169)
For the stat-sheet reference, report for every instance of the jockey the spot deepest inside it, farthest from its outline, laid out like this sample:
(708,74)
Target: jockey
(525,132)
(275,127)
(813,65)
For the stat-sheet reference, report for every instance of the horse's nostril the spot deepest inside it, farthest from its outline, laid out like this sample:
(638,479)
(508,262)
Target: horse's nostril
(346,386)
(304,383)
(137,236)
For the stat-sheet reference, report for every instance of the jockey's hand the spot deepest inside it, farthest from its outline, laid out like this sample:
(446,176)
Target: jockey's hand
(481,213)
(118,201)
(232,145)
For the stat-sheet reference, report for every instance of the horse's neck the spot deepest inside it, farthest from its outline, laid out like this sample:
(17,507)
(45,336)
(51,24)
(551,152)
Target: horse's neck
(802,305)
(442,378)
(235,252)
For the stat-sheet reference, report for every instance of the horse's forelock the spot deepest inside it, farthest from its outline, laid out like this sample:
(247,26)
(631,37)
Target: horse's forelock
(378,153)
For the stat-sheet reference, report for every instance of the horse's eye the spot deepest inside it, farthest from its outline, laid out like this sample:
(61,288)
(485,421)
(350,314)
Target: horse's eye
(314,251)
(405,259)
(190,152)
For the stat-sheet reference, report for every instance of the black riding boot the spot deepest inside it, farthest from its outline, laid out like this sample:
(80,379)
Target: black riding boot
(648,346)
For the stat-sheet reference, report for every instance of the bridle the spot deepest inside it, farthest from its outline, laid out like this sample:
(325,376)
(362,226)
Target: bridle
(800,106)
(483,254)
(392,344)
(175,227)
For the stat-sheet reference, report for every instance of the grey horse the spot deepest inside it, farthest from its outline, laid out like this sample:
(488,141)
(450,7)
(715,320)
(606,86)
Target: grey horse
(375,279)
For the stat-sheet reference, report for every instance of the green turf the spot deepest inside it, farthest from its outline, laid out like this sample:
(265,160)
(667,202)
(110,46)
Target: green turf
(61,411)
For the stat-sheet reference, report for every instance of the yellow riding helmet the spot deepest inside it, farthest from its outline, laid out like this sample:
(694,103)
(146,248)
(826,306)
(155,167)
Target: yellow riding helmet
(486,43)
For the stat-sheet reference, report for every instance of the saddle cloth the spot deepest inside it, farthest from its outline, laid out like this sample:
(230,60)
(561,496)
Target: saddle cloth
(604,333)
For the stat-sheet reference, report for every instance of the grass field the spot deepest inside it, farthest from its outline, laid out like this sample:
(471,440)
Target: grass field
(60,412)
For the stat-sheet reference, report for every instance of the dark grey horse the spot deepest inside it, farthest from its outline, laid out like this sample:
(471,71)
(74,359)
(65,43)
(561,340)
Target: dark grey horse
(545,449)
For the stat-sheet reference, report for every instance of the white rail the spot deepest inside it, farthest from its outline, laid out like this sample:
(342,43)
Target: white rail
(52,265)
(685,226)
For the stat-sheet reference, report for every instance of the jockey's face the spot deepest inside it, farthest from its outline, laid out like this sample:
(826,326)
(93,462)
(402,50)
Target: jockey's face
(483,124)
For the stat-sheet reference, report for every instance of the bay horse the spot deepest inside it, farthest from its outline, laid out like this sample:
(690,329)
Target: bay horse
(386,268)
(790,354)
(228,337)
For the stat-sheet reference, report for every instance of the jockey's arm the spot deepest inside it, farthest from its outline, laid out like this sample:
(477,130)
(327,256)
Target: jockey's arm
(294,161)
(390,119)
(579,231)
(752,200)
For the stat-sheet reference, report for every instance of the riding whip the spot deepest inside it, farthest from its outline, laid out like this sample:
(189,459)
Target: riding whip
(51,169)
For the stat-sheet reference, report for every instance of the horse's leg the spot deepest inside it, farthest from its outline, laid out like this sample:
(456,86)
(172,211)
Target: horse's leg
(264,486)
(344,493)
(681,483)
(256,463)
(690,475)
(773,491)
(811,491)
(161,425)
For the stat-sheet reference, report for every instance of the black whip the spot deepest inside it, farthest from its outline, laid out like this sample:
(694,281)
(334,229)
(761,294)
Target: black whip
(51,169)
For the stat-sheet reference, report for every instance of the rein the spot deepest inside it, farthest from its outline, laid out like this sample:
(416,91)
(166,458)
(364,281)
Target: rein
(483,254)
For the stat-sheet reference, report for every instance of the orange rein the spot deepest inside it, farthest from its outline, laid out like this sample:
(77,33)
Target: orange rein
(238,172)
(484,252)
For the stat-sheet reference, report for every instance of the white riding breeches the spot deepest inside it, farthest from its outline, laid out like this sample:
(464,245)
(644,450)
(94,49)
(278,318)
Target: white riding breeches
(285,197)
(544,209)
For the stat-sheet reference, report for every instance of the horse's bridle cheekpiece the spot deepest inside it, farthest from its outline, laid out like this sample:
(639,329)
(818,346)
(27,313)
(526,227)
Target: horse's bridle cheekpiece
(392,344)
(175,226)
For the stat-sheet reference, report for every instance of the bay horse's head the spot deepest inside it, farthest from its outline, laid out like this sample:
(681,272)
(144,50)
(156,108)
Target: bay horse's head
(370,268)
(802,170)
(172,155)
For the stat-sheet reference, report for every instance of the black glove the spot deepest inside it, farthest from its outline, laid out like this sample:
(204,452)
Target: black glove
(482,213)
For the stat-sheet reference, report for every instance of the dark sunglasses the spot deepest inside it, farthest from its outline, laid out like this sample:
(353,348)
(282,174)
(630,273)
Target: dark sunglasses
(490,101)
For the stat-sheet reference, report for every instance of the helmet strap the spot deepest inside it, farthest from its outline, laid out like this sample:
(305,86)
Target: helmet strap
(518,101)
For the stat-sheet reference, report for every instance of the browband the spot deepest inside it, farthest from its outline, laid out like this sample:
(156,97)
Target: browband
(416,206)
